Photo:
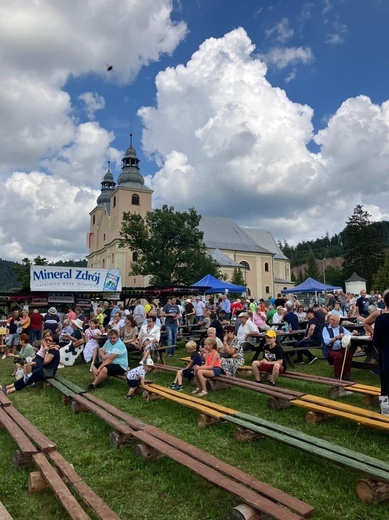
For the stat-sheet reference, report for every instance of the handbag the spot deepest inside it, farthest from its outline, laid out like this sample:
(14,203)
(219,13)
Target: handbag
(48,373)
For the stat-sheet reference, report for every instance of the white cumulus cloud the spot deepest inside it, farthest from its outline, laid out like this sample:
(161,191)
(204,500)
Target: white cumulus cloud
(93,102)
(233,145)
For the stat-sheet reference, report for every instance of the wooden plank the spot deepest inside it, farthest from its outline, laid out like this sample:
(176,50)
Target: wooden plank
(186,400)
(247,495)
(30,430)
(112,421)
(60,489)
(21,439)
(266,490)
(4,515)
(4,401)
(340,413)
(355,410)
(76,389)
(334,457)
(135,424)
(277,391)
(314,441)
(94,502)
(62,388)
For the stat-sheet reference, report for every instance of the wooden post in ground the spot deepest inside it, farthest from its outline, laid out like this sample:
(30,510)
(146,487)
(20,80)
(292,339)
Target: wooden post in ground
(146,453)
(245,512)
(370,491)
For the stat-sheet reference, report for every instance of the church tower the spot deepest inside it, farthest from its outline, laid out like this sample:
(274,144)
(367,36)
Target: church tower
(129,195)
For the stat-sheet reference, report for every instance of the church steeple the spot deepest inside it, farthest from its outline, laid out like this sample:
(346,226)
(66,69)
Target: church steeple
(131,176)
(107,186)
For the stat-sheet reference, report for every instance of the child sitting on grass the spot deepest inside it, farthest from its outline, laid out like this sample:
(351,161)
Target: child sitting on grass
(136,376)
(212,367)
(188,371)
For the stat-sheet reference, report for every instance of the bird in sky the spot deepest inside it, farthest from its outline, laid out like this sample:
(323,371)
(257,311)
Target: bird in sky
(109,67)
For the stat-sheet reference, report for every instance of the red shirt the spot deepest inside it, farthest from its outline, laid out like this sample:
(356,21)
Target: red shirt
(36,321)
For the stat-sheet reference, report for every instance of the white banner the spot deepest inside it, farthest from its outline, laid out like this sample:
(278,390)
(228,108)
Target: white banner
(74,279)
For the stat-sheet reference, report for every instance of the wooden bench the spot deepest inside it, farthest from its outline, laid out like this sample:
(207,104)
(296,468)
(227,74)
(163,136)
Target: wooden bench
(51,475)
(155,443)
(156,353)
(376,471)
(4,515)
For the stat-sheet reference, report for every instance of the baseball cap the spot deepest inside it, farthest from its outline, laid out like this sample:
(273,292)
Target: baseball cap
(271,333)
(149,362)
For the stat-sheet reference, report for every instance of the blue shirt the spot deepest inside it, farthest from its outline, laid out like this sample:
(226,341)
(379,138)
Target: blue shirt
(226,305)
(120,350)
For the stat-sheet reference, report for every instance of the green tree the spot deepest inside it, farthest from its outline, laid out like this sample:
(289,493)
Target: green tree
(364,248)
(381,277)
(168,246)
(22,271)
(312,270)
(334,276)
(237,277)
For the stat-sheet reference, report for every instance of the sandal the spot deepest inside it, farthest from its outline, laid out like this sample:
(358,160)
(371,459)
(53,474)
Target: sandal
(196,391)
(128,397)
(202,393)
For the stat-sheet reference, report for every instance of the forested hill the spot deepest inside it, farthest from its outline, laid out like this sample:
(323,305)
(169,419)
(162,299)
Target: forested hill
(9,281)
(326,247)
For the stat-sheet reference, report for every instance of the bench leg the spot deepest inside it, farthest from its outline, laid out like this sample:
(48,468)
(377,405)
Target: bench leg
(334,392)
(244,435)
(316,417)
(146,453)
(245,512)
(277,403)
(117,439)
(370,491)
(205,420)
(21,460)
(370,400)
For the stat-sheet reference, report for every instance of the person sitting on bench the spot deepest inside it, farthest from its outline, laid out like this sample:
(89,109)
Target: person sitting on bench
(273,361)
(333,350)
(114,361)
(312,338)
(212,367)
(42,371)
(148,338)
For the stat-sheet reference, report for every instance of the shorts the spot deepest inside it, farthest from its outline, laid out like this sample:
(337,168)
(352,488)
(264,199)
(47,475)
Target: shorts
(269,368)
(188,373)
(216,371)
(113,369)
(12,340)
(133,383)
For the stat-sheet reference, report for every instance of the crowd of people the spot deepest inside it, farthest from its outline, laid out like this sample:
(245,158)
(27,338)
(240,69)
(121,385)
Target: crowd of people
(225,328)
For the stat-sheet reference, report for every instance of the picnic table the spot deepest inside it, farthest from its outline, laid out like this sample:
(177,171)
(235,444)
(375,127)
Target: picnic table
(366,343)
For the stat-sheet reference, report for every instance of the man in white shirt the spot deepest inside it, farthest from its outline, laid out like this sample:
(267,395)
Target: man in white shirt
(199,307)
(246,332)
(139,313)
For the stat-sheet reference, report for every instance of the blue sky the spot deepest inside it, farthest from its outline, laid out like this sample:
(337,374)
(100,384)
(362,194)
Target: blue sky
(274,114)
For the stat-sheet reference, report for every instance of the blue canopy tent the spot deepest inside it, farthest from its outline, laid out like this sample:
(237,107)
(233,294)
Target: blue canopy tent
(218,286)
(310,285)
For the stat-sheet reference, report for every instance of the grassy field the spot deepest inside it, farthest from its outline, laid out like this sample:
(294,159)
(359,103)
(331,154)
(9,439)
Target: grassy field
(164,490)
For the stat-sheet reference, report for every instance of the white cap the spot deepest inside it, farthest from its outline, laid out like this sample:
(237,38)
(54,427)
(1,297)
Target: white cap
(149,362)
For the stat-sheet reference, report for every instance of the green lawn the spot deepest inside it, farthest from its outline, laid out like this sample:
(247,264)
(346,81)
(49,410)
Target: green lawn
(164,490)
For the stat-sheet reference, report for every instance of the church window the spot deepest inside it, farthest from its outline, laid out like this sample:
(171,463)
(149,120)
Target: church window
(267,289)
(134,256)
(245,264)
(135,200)
(114,201)
(267,267)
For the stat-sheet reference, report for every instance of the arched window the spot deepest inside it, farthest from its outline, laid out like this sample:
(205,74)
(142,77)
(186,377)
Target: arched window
(114,201)
(103,263)
(134,256)
(93,219)
(113,258)
(135,200)
(248,291)
(245,264)
(267,267)
(267,289)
